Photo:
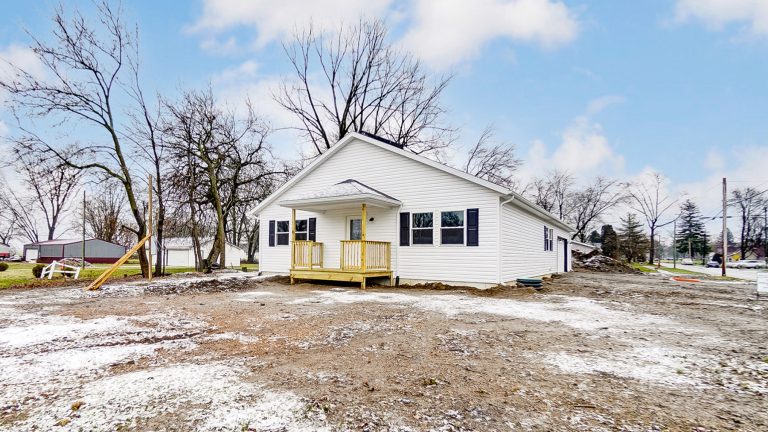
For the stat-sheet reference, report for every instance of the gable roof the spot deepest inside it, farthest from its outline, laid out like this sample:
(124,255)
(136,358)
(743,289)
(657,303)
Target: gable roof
(372,140)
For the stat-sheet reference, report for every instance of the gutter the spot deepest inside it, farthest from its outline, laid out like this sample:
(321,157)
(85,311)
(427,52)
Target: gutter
(498,242)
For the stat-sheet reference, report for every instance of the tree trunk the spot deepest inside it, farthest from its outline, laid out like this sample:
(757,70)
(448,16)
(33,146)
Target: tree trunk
(652,251)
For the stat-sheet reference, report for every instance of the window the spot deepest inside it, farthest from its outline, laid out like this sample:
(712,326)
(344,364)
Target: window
(283,234)
(551,239)
(355,229)
(422,228)
(452,227)
(549,235)
(301,229)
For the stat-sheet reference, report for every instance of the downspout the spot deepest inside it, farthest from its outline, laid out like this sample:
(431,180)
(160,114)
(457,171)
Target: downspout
(498,243)
(397,241)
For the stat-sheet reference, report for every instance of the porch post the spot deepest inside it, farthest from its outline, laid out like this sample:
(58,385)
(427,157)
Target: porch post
(364,223)
(293,237)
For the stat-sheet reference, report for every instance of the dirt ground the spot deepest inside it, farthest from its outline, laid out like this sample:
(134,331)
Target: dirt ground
(589,352)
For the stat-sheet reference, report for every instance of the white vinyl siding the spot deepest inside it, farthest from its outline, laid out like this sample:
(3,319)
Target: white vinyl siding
(522,248)
(421,188)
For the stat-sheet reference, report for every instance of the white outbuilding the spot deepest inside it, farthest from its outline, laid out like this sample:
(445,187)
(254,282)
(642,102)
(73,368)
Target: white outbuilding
(179,252)
(367,208)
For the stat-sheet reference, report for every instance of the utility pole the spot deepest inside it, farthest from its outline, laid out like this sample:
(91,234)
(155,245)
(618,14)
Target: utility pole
(674,243)
(725,225)
(82,264)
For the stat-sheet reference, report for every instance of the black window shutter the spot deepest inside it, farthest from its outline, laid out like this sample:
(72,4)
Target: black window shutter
(473,222)
(312,228)
(271,233)
(405,229)
(546,239)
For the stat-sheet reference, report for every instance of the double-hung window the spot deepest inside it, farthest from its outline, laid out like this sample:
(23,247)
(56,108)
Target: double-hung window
(283,233)
(549,235)
(452,227)
(301,229)
(422,228)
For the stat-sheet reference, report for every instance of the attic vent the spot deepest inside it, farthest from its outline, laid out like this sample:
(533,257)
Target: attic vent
(384,140)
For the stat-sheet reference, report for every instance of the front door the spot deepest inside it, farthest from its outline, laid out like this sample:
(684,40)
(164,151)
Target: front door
(354,229)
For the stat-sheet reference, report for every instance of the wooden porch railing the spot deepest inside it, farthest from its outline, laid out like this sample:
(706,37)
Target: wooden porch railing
(365,255)
(307,254)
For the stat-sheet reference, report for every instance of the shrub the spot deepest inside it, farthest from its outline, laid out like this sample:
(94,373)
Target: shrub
(37,270)
(3,266)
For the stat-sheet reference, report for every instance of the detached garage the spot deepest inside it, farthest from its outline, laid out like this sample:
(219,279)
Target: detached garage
(96,251)
(178,252)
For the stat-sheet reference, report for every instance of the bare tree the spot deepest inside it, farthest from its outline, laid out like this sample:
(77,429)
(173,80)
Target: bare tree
(552,192)
(588,205)
(7,230)
(491,161)
(50,183)
(749,202)
(145,131)
(225,153)
(104,212)
(84,63)
(16,211)
(649,198)
(355,81)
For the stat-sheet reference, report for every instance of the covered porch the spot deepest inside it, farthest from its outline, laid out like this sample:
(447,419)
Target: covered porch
(360,259)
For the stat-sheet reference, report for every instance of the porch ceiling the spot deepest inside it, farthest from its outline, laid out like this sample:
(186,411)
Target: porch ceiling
(346,194)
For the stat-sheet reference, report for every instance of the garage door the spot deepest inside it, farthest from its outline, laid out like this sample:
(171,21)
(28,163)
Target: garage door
(178,258)
(31,254)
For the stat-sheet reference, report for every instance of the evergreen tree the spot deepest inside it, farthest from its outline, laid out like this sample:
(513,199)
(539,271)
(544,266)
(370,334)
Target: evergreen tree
(690,230)
(609,241)
(594,237)
(633,243)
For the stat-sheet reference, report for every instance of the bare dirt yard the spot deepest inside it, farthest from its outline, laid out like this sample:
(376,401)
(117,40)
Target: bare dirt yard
(590,351)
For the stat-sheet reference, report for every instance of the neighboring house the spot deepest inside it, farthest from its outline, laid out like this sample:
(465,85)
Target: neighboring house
(5,251)
(178,252)
(96,251)
(583,248)
(368,208)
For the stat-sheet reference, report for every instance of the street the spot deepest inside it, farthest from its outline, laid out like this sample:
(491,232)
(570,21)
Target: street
(747,274)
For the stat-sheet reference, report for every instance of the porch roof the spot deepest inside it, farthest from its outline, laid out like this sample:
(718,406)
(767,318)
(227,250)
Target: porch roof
(341,195)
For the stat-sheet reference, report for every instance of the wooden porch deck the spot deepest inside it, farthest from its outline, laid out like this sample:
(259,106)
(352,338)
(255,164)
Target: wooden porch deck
(359,260)
(340,275)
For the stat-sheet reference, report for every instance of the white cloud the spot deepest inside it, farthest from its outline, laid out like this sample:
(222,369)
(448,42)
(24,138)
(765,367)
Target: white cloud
(245,71)
(17,56)
(584,151)
(717,14)
(446,32)
(599,105)
(276,20)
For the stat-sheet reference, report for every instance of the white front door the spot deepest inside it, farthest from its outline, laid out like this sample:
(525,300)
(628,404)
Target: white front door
(561,254)
(354,228)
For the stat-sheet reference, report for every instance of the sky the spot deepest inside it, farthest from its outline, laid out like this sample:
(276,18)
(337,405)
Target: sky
(610,88)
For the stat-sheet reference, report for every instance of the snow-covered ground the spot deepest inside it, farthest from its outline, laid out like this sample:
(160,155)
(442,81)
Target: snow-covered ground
(235,352)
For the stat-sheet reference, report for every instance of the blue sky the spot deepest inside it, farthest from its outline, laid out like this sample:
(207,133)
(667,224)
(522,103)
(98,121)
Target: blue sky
(595,87)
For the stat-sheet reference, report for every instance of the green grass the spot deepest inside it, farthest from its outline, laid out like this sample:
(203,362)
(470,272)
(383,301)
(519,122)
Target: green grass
(682,271)
(643,267)
(20,274)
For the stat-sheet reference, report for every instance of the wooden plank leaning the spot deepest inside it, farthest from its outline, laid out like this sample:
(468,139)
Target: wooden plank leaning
(108,272)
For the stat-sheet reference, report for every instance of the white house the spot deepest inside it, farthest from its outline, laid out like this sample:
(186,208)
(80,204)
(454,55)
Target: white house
(367,208)
(178,252)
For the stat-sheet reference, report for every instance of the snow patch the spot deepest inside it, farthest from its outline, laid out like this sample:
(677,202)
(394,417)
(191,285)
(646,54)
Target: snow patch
(577,312)
(212,397)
